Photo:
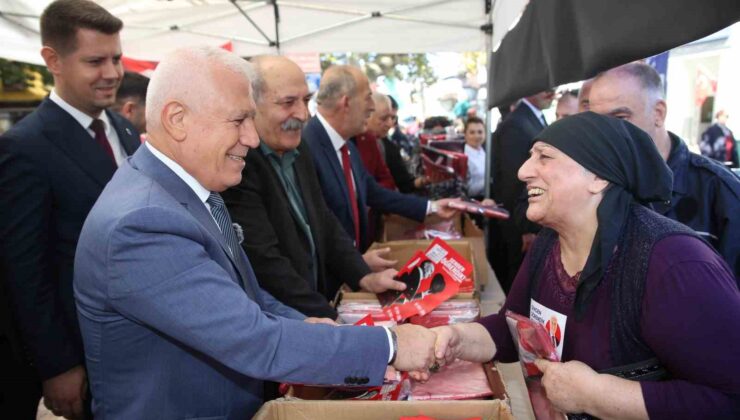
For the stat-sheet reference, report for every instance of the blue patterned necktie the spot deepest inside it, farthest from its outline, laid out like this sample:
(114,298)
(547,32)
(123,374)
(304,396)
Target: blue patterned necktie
(218,209)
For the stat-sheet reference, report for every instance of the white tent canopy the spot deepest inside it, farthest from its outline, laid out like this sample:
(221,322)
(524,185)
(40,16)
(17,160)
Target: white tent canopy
(154,27)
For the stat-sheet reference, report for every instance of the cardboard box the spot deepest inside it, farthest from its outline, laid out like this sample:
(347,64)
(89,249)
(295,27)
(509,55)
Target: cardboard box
(404,250)
(303,403)
(293,409)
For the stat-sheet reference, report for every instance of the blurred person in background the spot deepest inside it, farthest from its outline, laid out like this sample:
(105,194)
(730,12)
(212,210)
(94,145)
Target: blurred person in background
(567,104)
(718,143)
(583,101)
(508,239)
(475,137)
(131,99)
(706,195)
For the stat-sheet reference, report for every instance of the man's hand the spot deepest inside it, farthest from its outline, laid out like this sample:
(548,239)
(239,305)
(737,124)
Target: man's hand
(568,384)
(314,320)
(527,240)
(470,342)
(415,348)
(63,394)
(443,211)
(380,282)
(374,258)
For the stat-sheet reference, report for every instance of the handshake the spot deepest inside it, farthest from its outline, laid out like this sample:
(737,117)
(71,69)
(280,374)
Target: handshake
(421,350)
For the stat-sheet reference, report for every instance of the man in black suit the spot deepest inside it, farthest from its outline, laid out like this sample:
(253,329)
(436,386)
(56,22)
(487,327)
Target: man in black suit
(344,104)
(510,239)
(53,165)
(298,249)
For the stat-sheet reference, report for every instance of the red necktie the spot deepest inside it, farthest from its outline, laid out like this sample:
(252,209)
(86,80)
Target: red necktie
(98,127)
(347,164)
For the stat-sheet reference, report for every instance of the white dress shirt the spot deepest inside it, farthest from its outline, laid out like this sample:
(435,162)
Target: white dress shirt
(188,179)
(476,170)
(537,112)
(85,120)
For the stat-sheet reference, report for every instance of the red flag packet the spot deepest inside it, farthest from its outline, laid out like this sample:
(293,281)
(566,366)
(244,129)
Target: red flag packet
(431,278)
(534,343)
(493,212)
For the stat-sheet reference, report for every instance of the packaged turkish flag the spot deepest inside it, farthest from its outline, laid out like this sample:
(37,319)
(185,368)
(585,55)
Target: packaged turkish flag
(460,380)
(534,343)
(431,277)
(474,207)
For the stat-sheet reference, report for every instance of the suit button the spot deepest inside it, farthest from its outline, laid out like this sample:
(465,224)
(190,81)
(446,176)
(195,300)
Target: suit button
(349,380)
(364,380)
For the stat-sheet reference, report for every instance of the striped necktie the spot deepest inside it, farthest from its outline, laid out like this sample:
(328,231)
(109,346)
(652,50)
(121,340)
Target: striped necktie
(218,209)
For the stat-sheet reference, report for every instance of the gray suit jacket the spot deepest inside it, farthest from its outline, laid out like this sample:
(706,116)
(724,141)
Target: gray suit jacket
(168,329)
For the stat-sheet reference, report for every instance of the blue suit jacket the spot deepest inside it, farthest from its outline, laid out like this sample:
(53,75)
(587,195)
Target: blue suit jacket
(168,329)
(51,173)
(369,193)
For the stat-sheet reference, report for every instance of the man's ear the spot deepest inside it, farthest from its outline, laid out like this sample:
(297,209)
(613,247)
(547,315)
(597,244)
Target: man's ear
(660,110)
(598,185)
(128,109)
(52,59)
(173,117)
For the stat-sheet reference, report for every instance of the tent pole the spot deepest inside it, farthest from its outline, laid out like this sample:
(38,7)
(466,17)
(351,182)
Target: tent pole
(489,4)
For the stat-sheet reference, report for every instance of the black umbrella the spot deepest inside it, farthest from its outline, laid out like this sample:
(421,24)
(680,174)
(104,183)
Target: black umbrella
(562,41)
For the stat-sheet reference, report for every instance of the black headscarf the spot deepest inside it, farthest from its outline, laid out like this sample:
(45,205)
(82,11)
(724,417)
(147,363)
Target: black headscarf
(622,154)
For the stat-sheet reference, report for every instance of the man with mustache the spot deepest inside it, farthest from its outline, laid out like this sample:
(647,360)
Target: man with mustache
(298,249)
(53,166)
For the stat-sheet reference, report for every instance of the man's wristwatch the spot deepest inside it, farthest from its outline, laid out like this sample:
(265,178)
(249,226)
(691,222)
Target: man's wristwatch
(394,339)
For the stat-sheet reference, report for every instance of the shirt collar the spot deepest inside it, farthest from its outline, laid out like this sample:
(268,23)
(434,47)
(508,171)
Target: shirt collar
(537,112)
(198,189)
(79,116)
(677,162)
(285,160)
(336,140)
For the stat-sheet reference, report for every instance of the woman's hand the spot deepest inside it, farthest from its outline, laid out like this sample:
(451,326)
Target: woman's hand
(568,384)
(573,387)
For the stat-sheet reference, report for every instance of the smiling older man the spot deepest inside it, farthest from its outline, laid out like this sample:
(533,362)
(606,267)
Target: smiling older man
(173,320)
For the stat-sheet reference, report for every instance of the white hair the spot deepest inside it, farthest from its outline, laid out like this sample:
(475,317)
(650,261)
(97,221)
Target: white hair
(184,75)
(380,98)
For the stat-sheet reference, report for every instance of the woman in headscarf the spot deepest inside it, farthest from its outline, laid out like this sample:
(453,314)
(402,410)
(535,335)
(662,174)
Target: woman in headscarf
(648,313)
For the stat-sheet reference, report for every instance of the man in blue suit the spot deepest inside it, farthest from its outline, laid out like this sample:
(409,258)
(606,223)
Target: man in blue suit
(172,318)
(344,104)
(53,166)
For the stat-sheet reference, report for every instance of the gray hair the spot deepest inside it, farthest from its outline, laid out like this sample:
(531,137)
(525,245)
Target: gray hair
(258,78)
(178,75)
(338,81)
(379,98)
(646,75)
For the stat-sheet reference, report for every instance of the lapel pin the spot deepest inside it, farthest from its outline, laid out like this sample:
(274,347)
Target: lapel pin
(128,131)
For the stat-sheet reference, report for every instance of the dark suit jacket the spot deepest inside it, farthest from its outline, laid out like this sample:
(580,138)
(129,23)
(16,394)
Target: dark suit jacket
(403,179)
(51,173)
(369,193)
(276,244)
(511,144)
(169,331)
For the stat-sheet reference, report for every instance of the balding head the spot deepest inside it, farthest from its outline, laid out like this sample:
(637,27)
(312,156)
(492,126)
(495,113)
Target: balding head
(345,99)
(633,92)
(282,96)
(200,114)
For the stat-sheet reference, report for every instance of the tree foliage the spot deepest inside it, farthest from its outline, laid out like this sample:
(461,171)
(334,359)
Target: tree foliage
(408,67)
(19,76)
